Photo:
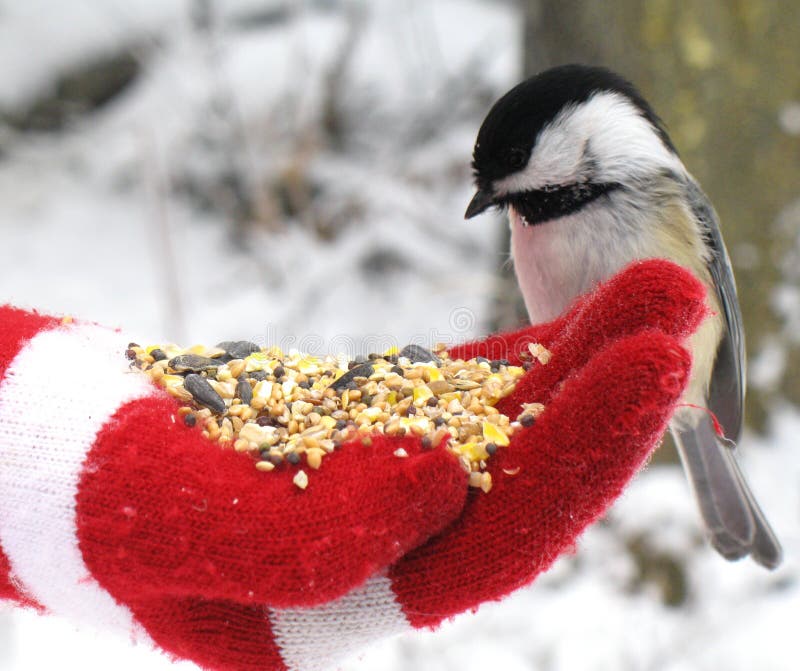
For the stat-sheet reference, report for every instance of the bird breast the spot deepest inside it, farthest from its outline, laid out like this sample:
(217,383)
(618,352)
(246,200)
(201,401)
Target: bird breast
(558,260)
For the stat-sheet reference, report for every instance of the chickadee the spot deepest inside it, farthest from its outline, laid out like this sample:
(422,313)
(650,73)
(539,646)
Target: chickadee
(592,181)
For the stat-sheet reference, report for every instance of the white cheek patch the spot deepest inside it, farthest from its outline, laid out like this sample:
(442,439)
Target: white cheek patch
(556,159)
(603,140)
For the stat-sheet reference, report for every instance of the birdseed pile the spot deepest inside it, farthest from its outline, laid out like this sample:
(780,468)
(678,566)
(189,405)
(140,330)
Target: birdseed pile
(296,408)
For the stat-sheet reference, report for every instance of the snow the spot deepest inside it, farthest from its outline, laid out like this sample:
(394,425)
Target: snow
(93,200)
(98,221)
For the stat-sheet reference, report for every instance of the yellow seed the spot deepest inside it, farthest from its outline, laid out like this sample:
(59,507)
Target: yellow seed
(314,457)
(236,367)
(226,430)
(266,466)
(224,389)
(439,387)
(172,381)
(486,482)
(421,394)
(474,451)
(433,374)
(308,366)
(241,445)
(494,435)
(394,428)
(256,361)
(439,435)
(328,422)
(179,392)
(372,413)
(401,407)
(507,389)
(414,373)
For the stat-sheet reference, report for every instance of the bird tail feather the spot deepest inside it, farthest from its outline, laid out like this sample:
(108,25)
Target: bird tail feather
(733,518)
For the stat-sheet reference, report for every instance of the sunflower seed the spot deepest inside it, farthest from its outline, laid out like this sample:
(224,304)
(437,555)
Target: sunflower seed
(202,392)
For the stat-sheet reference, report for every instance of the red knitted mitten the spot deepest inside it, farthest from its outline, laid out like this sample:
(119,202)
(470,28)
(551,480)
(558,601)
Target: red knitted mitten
(112,513)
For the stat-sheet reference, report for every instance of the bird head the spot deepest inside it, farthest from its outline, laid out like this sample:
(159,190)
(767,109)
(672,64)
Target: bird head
(564,138)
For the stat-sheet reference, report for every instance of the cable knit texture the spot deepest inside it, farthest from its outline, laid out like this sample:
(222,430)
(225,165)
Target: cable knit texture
(113,511)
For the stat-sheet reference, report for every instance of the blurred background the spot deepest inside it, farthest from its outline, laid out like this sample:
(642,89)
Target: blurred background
(296,173)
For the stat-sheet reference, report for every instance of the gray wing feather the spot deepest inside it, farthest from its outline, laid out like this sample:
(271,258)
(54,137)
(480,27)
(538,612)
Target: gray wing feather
(735,521)
(727,385)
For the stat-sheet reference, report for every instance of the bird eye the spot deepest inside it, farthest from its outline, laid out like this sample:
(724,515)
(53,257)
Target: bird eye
(516,158)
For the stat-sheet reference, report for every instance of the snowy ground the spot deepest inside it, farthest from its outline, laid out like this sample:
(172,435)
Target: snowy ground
(91,227)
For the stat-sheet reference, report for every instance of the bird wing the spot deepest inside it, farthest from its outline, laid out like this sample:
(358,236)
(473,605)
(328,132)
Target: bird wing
(727,385)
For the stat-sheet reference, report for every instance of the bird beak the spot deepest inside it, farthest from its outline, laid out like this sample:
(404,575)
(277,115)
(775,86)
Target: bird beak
(480,202)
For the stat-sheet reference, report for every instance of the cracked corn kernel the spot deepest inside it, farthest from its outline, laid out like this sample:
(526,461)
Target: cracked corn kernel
(493,434)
